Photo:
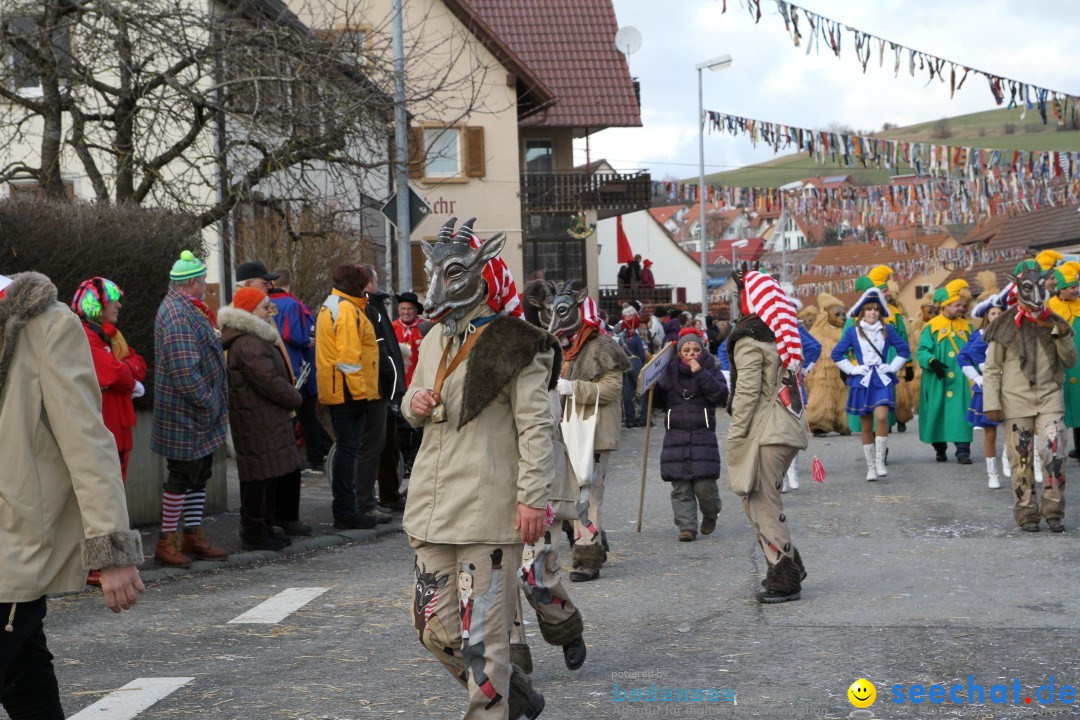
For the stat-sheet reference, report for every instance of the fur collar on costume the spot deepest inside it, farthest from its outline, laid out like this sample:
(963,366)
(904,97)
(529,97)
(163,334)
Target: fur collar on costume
(600,354)
(749,326)
(242,322)
(502,350)
(1026,339)
(29,295)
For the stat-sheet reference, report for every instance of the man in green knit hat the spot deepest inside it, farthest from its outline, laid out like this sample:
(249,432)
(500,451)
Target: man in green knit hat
(190,410)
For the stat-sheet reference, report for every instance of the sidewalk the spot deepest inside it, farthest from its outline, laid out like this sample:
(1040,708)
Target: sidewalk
(223,529)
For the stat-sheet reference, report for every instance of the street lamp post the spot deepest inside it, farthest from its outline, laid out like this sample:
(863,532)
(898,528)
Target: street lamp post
(734,256)
(717,63)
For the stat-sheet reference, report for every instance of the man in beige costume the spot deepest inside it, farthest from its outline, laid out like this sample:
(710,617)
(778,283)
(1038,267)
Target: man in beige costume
(592,373)
(480,485)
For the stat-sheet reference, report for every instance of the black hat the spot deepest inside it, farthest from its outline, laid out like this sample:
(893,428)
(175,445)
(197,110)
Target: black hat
(410,297)
(252,270)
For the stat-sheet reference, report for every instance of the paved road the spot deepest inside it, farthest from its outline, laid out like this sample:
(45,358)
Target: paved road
(919,578)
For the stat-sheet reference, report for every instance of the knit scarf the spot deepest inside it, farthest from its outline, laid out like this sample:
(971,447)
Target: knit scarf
(578,342)
(204,309)
(112,336)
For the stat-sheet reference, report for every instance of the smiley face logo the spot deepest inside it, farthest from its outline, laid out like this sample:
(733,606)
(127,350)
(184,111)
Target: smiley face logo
(862,693)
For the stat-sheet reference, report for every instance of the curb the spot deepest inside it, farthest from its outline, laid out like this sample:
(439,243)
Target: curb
(299,546)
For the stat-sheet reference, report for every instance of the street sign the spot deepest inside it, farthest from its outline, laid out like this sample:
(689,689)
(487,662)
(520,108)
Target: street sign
(655,368)
(418,209)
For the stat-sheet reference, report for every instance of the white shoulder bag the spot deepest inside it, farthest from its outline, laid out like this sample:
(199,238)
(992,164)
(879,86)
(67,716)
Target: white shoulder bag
(579,436)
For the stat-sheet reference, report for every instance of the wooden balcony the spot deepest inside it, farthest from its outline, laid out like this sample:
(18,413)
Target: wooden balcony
(607,193)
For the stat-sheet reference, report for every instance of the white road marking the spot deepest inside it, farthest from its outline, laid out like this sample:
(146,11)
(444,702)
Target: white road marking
(132,699)
(279,607)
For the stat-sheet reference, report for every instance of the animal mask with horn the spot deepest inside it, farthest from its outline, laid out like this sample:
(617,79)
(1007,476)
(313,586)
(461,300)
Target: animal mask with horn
(566,315)
(455,269)
(1031,291)
(539,296)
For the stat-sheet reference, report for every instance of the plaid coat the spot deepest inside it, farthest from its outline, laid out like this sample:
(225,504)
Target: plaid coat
(190,395)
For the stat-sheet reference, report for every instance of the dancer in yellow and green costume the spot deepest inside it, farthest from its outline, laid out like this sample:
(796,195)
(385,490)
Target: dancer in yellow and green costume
(945,393)
(1067,304)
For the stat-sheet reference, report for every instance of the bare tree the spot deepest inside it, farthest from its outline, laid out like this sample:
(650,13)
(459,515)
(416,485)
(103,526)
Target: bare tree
(172,103)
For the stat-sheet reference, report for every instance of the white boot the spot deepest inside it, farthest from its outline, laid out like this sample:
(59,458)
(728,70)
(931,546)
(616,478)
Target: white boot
(1006,468)
(871,470)
(881,444)
(1038,467)
(791,480)
(992,480)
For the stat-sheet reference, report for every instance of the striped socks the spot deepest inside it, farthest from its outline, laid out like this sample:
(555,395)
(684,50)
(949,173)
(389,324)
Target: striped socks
(193,508)
(171,503)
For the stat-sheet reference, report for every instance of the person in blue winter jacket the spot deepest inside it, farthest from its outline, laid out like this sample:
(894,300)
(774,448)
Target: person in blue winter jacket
(971,359)
(296,323)
(693,387)
(860,355)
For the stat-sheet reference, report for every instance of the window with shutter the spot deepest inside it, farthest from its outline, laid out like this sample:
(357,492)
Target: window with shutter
(474,151)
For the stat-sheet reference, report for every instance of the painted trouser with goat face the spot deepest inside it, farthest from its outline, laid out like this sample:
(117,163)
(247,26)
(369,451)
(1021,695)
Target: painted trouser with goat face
(1046,435)
(463,609)
(588,551)
(541,584)
(764,507)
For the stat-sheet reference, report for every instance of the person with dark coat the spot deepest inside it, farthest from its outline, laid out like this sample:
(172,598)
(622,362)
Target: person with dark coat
(693,387)
(262,398)
(381,440)
(672,325)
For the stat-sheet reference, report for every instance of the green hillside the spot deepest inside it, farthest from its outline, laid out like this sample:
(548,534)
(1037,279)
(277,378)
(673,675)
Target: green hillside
(990,129)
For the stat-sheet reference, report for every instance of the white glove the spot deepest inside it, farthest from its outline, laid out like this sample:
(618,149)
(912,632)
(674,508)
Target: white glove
(979,381)
(564,387)
(139,390)
(971,374)
(864,370)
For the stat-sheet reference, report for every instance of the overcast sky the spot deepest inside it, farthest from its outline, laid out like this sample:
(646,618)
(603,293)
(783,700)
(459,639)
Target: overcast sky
(1028,40)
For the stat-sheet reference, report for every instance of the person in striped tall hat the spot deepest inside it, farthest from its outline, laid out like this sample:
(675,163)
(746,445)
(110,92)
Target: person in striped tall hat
(768,423)
(592,372)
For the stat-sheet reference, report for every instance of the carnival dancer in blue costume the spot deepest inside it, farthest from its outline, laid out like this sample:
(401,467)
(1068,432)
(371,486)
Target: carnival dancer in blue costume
(972,360)
(861,355)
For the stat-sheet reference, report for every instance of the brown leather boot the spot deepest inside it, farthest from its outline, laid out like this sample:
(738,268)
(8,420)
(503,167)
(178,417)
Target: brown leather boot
(196,545)
(168,552)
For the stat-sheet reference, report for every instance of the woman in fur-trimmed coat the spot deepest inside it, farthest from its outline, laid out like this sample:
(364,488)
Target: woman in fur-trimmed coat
(262,399)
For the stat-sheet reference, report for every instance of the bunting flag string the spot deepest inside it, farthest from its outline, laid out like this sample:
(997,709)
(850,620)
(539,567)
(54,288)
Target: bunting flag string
(851,150)
(922,200)
(821,29)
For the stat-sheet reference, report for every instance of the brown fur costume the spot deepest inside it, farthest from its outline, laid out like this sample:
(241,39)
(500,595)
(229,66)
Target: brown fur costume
(906,397)
(825,389)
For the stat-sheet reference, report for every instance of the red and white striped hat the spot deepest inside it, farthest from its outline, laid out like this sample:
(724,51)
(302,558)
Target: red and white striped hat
(502,290)
(590,314)
(767,300)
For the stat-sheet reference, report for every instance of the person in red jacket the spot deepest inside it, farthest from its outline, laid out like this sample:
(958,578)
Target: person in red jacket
(120,370)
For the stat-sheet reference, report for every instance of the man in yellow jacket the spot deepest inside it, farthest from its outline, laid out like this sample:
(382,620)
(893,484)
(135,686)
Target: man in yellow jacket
(347,372)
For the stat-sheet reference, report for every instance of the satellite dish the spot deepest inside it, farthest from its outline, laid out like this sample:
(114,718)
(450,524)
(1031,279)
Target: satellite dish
(628,40)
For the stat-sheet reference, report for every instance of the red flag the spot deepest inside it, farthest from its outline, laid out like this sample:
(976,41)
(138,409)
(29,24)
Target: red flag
(625,253)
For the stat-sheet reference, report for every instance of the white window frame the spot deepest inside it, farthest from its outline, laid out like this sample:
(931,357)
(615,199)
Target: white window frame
(452,131)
